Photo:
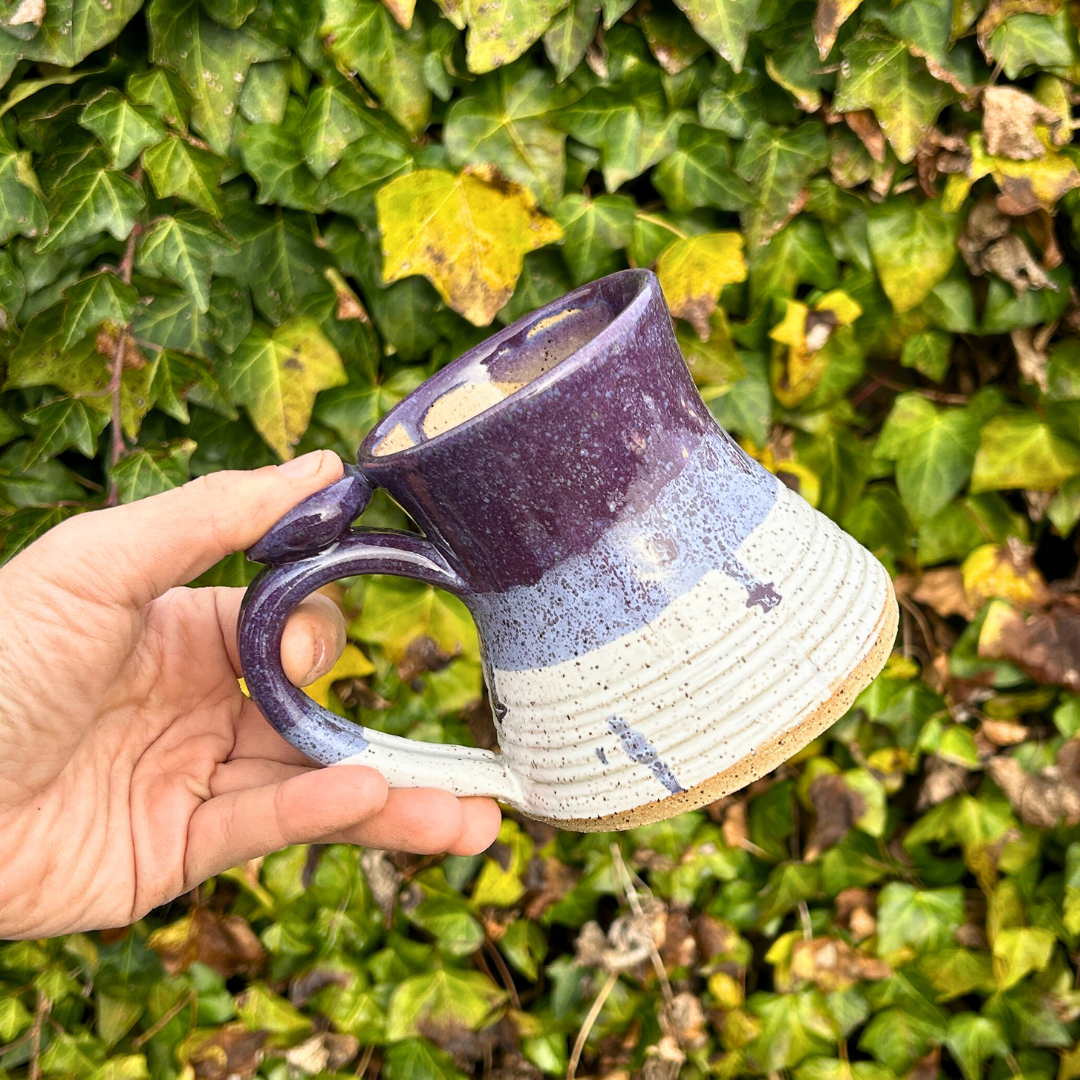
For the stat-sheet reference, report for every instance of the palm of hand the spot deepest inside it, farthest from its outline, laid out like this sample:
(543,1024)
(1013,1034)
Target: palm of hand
(133,767)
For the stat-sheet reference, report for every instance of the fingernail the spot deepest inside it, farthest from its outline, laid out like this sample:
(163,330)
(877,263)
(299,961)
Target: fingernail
(302,467)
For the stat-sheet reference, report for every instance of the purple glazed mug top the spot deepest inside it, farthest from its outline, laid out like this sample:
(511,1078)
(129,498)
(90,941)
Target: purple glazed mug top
(661,620)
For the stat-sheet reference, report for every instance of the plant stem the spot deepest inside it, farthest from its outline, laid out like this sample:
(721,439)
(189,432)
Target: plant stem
(40,1012)
(119,447)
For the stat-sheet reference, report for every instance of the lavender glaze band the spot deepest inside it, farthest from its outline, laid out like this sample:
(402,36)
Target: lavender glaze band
(649,599)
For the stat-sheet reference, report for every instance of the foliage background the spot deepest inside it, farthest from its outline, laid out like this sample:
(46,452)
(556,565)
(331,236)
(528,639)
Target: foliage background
(196,198)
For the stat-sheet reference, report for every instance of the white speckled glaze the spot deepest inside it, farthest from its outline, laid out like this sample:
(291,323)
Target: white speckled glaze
(702,686)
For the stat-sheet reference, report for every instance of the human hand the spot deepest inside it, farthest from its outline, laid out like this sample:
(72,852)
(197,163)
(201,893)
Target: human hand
(131,765)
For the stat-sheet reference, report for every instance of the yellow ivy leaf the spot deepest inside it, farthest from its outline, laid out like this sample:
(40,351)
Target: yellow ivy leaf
(841,305)
(992,571)
(693,271)
(397,611)
(1026,184)
(351,664)
(275,375)
(468,234)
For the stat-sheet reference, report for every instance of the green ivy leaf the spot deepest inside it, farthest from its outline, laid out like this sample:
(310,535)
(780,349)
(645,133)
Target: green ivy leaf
(879,73)
(724,24)
(125,129)
(363,37)
(501,30)
(333,120)
(89,202)
(571,32)
(918,919)
(211,60)
(22,208)
(182,249)
(971,1040)
(505,121)
(177,167)
(700,173)
(100,298)
(64,424)
(445,996)
(913,246)
(593,230)
(151,470)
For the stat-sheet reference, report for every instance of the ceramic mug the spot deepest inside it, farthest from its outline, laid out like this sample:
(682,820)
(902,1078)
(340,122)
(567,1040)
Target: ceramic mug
(661,620)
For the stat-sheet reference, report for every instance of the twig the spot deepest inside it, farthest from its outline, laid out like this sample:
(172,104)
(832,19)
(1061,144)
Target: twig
(365,1061)
(169,1014)
(119,447)
(635,906)
(804,918)
(924,625)
(587,1025)
(40,1012)
(504,972)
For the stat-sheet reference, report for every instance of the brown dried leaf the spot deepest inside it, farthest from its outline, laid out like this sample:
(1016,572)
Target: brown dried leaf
(837,808)
(223,942)
(714,938)
(383,879)
(832,964)
(829,17)
(233,1053)
(864,123)
(108,337)
(987,243)
(1042,799)
(1044,645)
(662,1061)
(680,949)
(943,590)
(325,1052)
(548,880)
(1003,732)
(424,654)
(684,1021)
(304,987)
(926,1068)
(1009,119)
(1030,358)
(942,781)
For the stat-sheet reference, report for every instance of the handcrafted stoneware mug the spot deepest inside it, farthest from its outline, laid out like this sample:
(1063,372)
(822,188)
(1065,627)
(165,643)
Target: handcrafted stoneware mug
(661,620)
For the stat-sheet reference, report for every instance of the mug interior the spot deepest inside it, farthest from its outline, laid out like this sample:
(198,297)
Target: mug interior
(508,364)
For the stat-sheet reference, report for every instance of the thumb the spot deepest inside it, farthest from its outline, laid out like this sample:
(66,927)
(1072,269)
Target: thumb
(134,553)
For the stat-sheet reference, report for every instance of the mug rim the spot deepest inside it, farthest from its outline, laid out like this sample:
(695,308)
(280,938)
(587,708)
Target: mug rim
(649,285)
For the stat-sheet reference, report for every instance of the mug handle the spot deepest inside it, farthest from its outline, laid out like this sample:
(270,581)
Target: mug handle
(312,546)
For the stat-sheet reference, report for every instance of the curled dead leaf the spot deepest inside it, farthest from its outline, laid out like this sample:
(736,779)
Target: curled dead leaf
(680,948)
(943,590)
(988,244)
(630,940)
(1032,357)
(548,881)
(383,879)
(325,1052)
(1003,732)
(663,1061)
(942,780)
(832,964)
(838,807)
(1044,798)
(829,17)
(1005,571)
(684,1020)
(864,123)
(1009,119)
(232,1052)
(223,942)
(424,654)
(1043,644)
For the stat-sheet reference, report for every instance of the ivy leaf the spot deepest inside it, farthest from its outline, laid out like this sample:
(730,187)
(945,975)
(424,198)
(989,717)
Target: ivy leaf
(1025,39)
(1020,950)
(212,60)
(1018,450)
(443,997)
(630,125)
(102,297)
(161,92)
(273,155)
(275,375)
(277,259)
(775,163)
(64,424)
(467,234)
(125,129)
(971,1040)
(913,246)
(266,92)
(594,229)
(72,29)
(177,376)
(505,121)
(151,470)
(363,37)
(354,409)
(22,528)
(501,30)
(917,919)
(176,167)
(22,207)
(182,249)
(230,13)
(694,270)
(89,202)
(934,450)
(724,24)
(571,32)
(700,173)
(333,120)
(879,73)
(793,1026)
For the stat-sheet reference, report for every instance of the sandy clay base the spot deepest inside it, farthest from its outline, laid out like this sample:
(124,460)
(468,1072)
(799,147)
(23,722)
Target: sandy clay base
(767,756)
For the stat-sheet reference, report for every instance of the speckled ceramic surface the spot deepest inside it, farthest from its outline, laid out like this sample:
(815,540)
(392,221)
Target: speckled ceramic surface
(661,620)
